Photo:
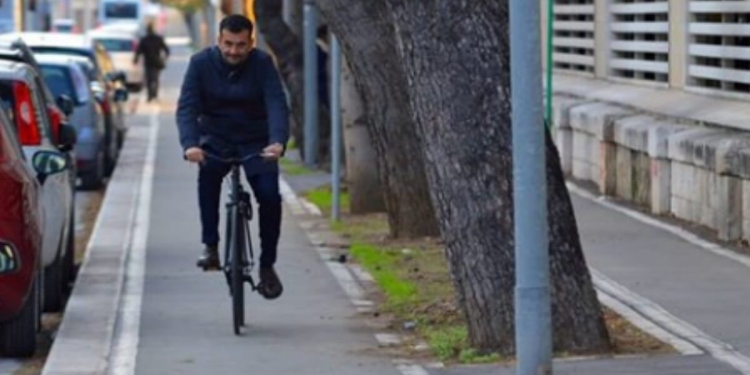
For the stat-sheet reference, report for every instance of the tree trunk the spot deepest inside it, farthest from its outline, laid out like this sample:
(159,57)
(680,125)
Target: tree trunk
(365,191)
(287,49)
(367,41)
(293,15)
(456,57)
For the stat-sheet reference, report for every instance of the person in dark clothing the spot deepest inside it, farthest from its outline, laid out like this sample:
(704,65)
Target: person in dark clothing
(232,104)
(155,51)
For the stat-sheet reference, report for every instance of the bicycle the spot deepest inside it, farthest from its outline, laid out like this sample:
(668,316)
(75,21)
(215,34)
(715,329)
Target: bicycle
(238,243)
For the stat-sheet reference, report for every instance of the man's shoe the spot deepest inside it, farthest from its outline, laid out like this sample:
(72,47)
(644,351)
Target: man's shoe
(270,286)
(209,260)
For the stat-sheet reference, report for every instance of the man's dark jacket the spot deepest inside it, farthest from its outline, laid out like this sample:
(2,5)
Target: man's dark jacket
(222,105)
(151,47)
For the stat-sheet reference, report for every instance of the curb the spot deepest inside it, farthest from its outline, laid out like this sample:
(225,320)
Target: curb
(84,340)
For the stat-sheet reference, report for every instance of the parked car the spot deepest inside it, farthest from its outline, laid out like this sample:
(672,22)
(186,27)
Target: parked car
(21,233)
(58,108)
(112,81)
(64,25)
(66,78)
(122,44)
(21,98)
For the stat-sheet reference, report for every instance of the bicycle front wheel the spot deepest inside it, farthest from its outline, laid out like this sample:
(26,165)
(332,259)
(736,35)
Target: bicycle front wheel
(237,274)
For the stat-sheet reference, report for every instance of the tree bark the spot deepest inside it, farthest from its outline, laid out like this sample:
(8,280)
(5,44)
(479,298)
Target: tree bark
(367,41)
(456,57)
(293,15)
(365,191)
(287,49)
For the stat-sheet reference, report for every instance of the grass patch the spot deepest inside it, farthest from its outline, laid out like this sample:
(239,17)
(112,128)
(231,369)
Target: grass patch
(323,198)
(291,145)
(293,168)
(416,287)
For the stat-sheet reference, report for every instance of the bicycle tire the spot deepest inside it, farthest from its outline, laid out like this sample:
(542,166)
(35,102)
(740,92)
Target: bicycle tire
(237,274)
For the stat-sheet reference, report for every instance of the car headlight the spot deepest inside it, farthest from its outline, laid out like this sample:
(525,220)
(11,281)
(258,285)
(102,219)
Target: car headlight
(9,259)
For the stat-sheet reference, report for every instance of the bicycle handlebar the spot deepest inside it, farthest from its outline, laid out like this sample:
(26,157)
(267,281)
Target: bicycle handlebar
(233,160)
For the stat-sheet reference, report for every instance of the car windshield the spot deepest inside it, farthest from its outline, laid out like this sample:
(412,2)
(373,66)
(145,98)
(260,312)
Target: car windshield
(120,10)
(116,44)
(63,80)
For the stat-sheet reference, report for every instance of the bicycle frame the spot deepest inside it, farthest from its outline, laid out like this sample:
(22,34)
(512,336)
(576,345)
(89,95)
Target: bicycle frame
(238,251)
(238,199)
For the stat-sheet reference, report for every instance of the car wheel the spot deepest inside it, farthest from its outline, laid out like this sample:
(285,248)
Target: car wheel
(18,335)
(94,179)
(53,286)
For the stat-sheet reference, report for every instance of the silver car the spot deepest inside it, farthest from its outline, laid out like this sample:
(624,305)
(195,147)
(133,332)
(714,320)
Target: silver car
(64,76)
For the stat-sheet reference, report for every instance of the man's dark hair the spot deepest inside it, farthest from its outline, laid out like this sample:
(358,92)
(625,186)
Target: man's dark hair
(236,23)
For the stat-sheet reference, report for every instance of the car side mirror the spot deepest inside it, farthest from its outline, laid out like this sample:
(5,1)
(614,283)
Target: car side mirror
(66,104)
(47,163)
(117,75)
(121,95)
(68,137)
(10,260)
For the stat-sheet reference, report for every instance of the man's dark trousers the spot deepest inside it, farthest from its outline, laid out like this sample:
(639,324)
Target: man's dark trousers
(265,187)
(152,81)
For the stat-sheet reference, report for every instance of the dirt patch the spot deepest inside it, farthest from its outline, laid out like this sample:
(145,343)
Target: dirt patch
(415,297)
(88,218)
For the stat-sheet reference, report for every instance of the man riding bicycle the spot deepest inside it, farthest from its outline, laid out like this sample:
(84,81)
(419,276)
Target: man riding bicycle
(232,104)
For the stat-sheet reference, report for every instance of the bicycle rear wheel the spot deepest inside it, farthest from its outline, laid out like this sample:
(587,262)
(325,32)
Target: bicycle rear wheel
(237,274)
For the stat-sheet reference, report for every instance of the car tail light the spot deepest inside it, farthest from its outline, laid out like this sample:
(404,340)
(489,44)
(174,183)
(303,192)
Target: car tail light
(28,127)
(105,105)
(56,118)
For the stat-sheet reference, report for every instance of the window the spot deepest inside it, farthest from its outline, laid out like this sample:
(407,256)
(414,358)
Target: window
(65,80)
(573,38)
(121,10)
(116,44)
(640,40)
(719,49)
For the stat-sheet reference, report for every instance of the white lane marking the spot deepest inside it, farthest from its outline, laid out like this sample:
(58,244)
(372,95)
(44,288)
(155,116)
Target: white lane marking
(126,344)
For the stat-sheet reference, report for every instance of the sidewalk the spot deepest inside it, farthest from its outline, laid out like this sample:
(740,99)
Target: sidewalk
(706,295)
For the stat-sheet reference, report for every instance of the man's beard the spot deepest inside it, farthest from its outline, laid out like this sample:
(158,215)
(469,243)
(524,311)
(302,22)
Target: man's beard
(234,60)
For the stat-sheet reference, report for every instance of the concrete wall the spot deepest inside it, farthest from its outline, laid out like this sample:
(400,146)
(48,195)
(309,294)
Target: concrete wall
(695,173)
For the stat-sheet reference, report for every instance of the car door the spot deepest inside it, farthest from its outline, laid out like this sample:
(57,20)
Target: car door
(56,188)
(24,104)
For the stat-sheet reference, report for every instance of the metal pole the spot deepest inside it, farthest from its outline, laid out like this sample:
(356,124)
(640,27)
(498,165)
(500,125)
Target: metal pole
(87,15)
(336,125)
(311,84)
(550,62)
(532,307)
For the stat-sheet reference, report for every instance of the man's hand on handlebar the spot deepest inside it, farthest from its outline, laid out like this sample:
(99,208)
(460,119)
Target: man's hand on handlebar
(195,155)
(273,151)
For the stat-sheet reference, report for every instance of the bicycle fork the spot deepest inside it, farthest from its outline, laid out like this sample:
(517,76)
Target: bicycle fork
(245,214)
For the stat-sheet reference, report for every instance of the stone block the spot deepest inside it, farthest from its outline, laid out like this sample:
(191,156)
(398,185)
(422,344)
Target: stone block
(623,173)
(597,118)
(641,164)
(729,211)
(607,180)
(661,185)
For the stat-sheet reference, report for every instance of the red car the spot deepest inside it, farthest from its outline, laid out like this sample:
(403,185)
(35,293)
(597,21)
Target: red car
(21,228)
